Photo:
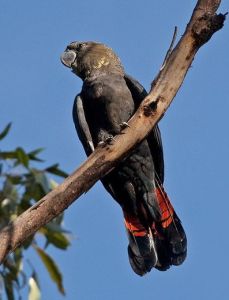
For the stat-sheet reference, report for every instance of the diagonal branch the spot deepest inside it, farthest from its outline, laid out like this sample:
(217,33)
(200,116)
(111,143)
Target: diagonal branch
(203,24)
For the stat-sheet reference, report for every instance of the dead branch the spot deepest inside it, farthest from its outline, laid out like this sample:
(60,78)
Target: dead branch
(203,24)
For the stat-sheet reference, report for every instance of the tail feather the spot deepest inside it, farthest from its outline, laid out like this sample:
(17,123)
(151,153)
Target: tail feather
(141,249)
(166,207)
(169,235)
(157,243)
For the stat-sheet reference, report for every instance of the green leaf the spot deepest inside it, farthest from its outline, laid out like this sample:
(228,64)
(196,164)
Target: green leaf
(5,131)
(56,171)
(42,180)
(1,285)
(53,184)
(8,155)
(15,179)
(22,157)
(10,265)
(33,187)
(51,267)
(17,254)
(58,239)
(57,227)
(34,290)
(33,154)
(9,287)
(9,191)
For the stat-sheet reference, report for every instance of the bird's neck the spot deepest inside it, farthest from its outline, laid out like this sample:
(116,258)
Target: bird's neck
(103,73)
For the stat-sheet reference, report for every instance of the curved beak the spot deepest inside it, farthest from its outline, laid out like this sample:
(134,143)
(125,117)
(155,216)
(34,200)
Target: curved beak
(68,58)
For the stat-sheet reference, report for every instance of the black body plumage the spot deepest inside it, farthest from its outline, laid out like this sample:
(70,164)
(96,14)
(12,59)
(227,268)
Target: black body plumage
(108,99)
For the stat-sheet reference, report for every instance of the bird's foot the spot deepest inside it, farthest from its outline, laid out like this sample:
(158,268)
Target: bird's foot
(107,140)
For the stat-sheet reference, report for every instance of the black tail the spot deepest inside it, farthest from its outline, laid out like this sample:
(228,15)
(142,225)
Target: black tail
(169,235)
(141,249)
(158,244)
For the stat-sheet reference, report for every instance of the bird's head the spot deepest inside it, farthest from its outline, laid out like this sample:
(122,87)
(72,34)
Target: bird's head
(87,59)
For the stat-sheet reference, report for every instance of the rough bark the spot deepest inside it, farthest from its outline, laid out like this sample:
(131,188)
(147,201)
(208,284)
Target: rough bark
(203,24)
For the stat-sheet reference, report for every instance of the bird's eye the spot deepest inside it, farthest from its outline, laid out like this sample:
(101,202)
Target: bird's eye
(80,46)
(76,46)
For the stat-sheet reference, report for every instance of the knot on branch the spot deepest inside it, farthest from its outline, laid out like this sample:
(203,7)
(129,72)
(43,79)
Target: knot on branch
(206,26)
(150,108)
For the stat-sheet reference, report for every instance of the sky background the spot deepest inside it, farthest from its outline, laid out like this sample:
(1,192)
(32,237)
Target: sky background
(37,93)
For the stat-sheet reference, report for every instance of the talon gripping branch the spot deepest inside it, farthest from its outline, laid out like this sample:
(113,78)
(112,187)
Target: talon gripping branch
(108,99)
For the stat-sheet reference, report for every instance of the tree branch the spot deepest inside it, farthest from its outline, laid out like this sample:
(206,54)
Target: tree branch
(203,24)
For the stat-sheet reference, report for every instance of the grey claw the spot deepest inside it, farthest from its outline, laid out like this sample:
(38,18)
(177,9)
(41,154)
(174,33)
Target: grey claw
(108,140)
(124,125)
(101,143)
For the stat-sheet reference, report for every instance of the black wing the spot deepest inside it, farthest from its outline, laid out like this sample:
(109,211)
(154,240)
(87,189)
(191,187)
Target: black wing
(154,138)
(81,125)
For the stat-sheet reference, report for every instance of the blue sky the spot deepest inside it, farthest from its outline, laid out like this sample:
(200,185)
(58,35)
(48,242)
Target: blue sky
(37,93)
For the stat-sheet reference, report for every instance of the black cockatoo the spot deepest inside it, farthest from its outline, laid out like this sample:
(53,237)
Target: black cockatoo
(108,99)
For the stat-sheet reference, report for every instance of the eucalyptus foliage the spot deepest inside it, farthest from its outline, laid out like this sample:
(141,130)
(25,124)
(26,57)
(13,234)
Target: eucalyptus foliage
(21,185)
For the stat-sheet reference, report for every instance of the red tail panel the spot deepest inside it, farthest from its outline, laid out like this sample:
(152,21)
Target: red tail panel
(165,207)
(133,224)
